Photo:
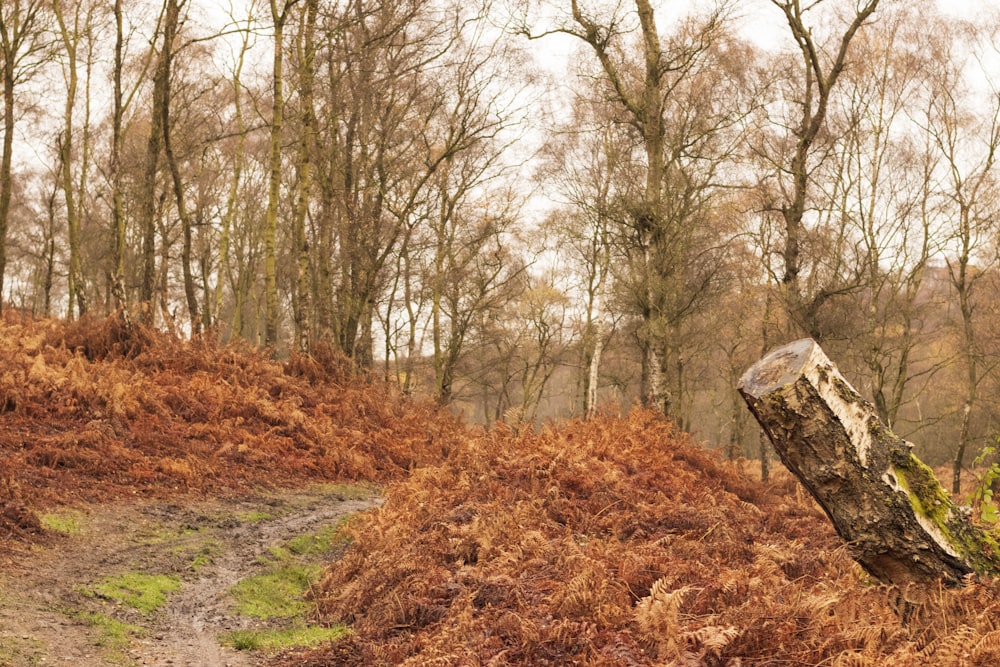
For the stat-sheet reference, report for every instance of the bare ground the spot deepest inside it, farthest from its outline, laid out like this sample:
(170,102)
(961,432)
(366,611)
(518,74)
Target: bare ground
(46,595)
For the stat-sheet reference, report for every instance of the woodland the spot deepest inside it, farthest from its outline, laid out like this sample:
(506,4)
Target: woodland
(526,210)
(508,259)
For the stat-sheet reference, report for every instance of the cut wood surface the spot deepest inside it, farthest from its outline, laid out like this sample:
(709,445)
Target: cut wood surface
(898,521)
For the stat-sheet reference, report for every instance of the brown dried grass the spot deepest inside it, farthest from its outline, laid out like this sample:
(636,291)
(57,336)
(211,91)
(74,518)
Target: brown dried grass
(618,542)
(91,413)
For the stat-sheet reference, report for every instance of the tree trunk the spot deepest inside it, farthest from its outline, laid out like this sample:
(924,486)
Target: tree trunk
(274,179)
(302,307)
(147,195)
(118,206)
(170,26)
(7,158)
(900,524)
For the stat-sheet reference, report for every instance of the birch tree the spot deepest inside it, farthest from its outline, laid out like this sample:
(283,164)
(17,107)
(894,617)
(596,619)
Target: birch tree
(657,85)
(820,66)
(23,47)
(964,130)
(75,30)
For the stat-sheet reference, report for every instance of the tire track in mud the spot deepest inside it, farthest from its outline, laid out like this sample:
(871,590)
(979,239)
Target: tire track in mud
(43,595)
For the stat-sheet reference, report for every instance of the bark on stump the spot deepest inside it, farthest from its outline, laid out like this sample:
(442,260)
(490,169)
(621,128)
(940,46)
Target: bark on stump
(899,522)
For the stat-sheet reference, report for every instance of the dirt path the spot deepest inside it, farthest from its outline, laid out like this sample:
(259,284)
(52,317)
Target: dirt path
(49,614)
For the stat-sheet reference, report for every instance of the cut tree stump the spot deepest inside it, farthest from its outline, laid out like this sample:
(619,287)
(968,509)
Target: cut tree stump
(899,523)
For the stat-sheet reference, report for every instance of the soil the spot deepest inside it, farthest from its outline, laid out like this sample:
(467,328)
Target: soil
(47,592)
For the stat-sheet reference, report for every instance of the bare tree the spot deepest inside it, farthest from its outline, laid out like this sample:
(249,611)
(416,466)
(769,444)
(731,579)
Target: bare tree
(171,24)
(543,310)
(588,163)
(23,47)
(73,30)
(885,178)
(410,89)
(306,52)
(115,176)
(229,212)
(685,131)
(820,66)
(473,272)
(280,12)
(965,132)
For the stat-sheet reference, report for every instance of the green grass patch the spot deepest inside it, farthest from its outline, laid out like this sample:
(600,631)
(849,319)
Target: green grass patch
(64,523)
(278,593)
(306,547)
(112,634)
(255,516)
(317,543)
(200,554)
(204,557)
(145,592)
(278,640)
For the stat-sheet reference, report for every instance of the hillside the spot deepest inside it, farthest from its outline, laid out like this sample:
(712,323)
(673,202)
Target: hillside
(87,414)
(615,541)
(619,542)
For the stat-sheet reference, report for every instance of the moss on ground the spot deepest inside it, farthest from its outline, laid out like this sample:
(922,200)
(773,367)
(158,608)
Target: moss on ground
(65,523)
(276,597)
(278,593)
(144,592)
(280,639)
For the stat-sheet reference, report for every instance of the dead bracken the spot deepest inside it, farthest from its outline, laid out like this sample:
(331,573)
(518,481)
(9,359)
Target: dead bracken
(613,541)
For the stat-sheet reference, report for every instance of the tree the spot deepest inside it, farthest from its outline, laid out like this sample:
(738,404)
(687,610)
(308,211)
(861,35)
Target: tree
(964,130)
(685,132)
(884,175)
(306,52)
(115,176)
(410,90)
(543,308)
(23,47)
(280,12)
(820,67)
(171,24)
(473,273)
(148,202)
(230,210)
(589,161)
(72,34)
(899,524)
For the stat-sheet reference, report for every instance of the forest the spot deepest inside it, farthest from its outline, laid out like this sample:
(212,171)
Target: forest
(526,210)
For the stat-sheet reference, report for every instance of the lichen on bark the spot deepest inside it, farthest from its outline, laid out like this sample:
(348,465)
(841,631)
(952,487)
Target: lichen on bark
(900,523)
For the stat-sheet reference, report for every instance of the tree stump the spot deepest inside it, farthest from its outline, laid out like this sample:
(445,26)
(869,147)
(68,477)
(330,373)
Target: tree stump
(899,523)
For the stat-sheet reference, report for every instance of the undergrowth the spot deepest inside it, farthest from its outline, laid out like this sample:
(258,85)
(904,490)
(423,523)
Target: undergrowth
(614,541)
(89,413)
(618,542)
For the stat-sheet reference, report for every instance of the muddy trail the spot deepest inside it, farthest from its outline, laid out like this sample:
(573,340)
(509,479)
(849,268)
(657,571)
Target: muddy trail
(59,605)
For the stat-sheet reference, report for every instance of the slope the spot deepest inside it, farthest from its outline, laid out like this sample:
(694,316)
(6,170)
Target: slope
(89,414)
(618,542)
